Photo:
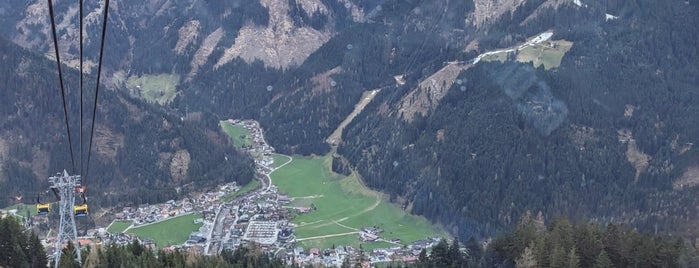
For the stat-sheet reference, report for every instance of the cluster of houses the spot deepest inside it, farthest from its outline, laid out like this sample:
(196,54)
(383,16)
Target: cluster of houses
(255,217)
(335,256)
(204,203)
(259,149)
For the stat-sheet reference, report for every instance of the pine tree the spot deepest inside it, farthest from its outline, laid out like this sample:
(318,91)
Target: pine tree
(562,233)
(11,241)
(93,257)
(474,249)
(457,259)
(557,257)
(6,244)
(688,256)
(67,257)
(587,243)
(36,251)
(136,248)
(422,259)
(527,260)
(573,259)
(440,254)
(603,261)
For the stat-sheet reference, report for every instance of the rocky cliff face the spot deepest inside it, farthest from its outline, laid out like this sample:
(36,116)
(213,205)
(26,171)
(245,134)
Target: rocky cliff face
(189,33)
(280,43)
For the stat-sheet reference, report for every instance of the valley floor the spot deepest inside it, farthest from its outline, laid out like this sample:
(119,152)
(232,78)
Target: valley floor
(298,210)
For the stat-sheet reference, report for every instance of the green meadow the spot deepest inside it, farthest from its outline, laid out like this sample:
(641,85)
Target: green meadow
(22,209)
(169,232)
(543,54)
(279,159)
(343,206)
(118,226)
(238,134)
(549,54)
(161,88)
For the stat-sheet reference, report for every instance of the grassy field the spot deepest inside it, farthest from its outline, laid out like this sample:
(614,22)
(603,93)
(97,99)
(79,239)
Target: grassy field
(161,88)
(544,54)
(252,185)
(343,205)
(169,232)
(238,134)
(118,226)
(501,57)
(279,159)
(22,209)
(541,54)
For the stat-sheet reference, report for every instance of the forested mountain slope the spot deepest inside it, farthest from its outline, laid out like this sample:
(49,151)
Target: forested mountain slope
(607,135)
(141,153)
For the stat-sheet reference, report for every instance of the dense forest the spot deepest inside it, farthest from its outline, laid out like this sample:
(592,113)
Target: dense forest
(564,244)
(19,248)
(325,88)
(512,138)
(141,152)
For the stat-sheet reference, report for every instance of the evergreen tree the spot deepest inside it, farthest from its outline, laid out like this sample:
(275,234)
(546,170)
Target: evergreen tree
(557,257)
(92,259)
(588,243)
(688,256)
(422,259)
(603,261)
(527,260)
(68,258)
(136,248)
(36,252)
(474,249)
(455,256)
(573,260)
(440,254)
(11,241)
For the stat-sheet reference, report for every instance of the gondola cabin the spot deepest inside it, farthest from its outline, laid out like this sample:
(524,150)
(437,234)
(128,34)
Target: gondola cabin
(43,209)
(80,210)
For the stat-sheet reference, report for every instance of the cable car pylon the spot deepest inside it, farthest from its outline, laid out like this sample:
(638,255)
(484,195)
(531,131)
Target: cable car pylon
(66,186)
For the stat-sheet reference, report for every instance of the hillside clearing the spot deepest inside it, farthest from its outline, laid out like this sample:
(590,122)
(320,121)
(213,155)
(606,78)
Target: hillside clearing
(367,97)
(548,54)
(238,134)
(161,88)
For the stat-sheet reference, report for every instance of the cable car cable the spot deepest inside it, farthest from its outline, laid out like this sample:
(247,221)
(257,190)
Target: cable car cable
(60,78)
(97,87)
(81,85)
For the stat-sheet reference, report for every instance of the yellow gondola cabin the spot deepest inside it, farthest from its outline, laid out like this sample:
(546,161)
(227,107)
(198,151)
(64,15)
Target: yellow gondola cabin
(80,210)
(43,209)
